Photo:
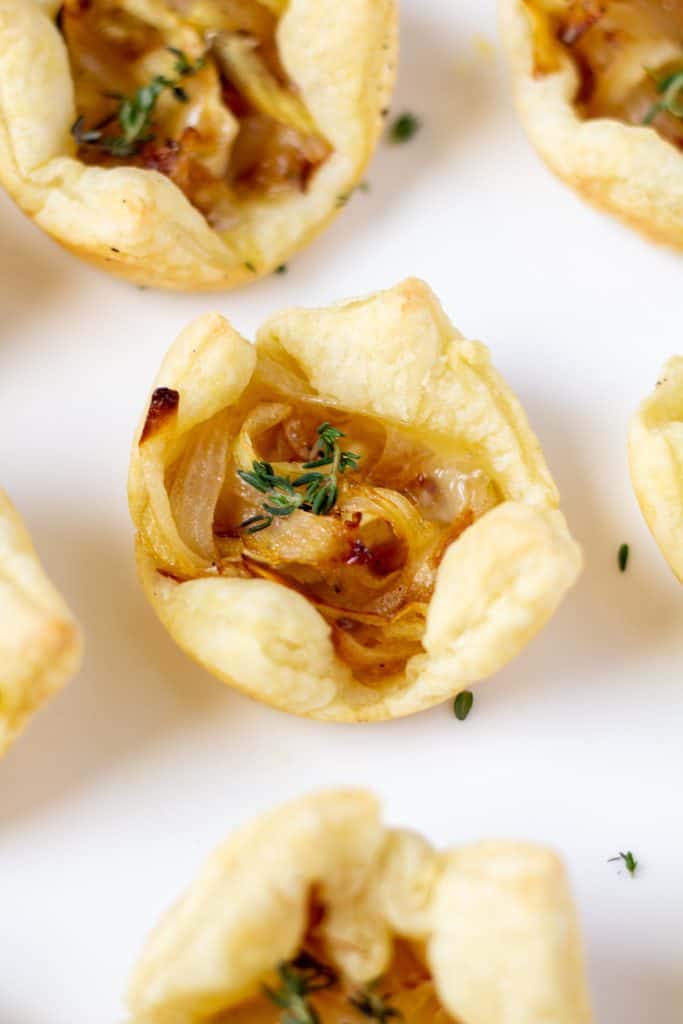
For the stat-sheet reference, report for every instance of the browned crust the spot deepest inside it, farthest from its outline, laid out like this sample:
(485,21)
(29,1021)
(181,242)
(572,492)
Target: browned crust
(163,405)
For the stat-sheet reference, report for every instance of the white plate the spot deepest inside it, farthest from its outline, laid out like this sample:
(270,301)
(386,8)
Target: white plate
(128,779)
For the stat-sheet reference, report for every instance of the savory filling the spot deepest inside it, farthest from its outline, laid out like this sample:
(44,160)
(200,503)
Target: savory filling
(194,89)
(353,513)
(308,990)
(629,54)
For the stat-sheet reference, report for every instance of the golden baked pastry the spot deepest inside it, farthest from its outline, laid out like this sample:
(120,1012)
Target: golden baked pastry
(190,144)
(317,913)
(599,86)
(39,641)
(656,459)
(351,520)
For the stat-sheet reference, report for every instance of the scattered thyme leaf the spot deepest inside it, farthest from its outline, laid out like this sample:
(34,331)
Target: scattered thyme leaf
(371,1004)
(282,269)
(250,266)
(364,186)
(462,705)
(298,979)
(134,114)
(622,557)
(404,128)
(629,860)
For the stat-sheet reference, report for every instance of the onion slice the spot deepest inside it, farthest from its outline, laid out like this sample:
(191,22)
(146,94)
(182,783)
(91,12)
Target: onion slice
(197,483)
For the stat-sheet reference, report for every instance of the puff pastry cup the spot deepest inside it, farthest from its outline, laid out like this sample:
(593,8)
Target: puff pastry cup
(39,642)
(442,553)
(369,917)
(204,167)
(656,461)
(598,86)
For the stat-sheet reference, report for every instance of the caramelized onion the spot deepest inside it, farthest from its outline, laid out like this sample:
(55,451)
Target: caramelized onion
(197,482)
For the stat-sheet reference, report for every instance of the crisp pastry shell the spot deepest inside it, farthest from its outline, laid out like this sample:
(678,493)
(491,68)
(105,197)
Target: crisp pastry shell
(495,920)
(656,462)
(136,223)
(628,170)
(394,356)
(39,642)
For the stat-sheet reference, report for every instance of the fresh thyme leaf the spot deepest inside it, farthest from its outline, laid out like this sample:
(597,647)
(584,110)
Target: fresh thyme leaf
(670,88)
(629,861)
(183,65)
(375,1006)
(250,266)
(256,523)
(622,557)
(462,705)
(262,476)
(327,439)
(134,113)
(321,489)
(404,128)
(282,269)
(298,979)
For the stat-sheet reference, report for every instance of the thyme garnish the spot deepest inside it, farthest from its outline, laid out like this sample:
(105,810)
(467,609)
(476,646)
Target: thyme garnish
(320,490)
(404,128)
(373,1005)
(134,114)
(622,557)
(629,860)
(669,87)
(299,978)
(462,705)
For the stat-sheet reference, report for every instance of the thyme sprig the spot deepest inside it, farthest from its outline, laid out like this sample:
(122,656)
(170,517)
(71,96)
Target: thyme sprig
(133,116)
(629,860)
(313,491)
(669,88)
(371,1004)
(299,978)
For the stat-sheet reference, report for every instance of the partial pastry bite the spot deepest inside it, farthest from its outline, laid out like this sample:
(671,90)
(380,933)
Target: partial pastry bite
(190,144)
(599,86)
(656,460)
(320,914)
(351,519)
(39,641)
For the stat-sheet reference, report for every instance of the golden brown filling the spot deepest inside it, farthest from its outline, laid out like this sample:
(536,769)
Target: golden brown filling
(629,54)
(193,89)
(352,513)
(308,990)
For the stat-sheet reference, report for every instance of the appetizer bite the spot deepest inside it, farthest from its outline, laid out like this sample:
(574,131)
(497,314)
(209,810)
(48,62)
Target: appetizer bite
(190,144)
(39,641)
(351,519)
(656,460)
(599,86)
(318,913)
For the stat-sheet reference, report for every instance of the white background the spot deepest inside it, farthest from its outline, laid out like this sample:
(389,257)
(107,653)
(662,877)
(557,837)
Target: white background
(123,784)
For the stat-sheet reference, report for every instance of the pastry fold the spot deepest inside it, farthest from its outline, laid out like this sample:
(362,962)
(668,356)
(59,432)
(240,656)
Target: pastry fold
(40,644)
(136,222)
(479,934)
(656,461)
(394,359)
(599,140)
